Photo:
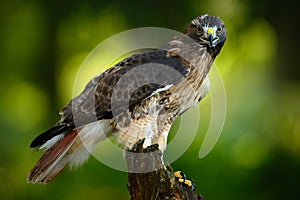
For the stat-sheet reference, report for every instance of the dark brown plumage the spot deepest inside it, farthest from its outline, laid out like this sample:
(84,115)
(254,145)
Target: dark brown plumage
(140,97)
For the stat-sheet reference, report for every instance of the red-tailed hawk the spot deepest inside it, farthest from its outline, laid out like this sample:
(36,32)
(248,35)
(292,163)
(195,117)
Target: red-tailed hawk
(138,98)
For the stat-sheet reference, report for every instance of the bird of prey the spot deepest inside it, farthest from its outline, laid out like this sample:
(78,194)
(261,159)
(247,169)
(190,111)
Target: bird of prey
(138,98)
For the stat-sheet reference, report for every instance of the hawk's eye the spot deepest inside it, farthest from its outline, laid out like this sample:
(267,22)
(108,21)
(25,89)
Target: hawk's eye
(219,29)
(198,29)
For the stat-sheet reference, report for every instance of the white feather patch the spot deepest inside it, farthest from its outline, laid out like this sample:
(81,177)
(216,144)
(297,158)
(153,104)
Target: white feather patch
(52,141)
(161,89)
(204,88)
(90,135)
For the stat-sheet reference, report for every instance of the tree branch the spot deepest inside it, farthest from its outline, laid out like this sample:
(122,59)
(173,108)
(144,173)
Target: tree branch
(149,178)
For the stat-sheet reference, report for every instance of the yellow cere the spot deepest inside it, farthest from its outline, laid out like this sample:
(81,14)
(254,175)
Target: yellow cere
(210,31)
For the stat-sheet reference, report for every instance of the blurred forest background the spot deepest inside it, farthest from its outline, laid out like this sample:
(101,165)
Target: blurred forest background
(43,43)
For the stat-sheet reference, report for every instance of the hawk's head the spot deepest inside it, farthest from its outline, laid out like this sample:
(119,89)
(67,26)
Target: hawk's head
(208,31)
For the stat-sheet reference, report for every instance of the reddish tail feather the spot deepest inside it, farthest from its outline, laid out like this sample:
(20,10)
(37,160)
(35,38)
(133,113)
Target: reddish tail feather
(55,159)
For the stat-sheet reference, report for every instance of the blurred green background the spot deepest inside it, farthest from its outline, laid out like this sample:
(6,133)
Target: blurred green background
(43,43)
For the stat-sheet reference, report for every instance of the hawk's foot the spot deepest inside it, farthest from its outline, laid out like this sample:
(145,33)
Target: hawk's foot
(181,178)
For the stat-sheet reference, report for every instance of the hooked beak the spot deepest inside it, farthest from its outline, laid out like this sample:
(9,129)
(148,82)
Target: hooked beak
(209,37)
